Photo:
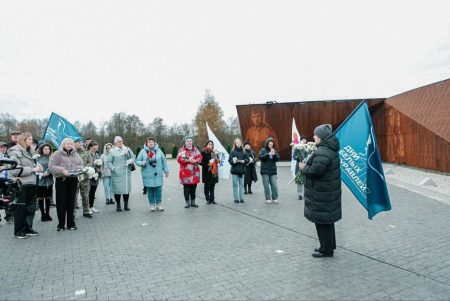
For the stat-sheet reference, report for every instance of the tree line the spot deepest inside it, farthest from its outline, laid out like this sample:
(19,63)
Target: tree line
(134,130)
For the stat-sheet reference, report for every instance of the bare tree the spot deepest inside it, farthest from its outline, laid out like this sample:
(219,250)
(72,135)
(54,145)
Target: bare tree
(8,123)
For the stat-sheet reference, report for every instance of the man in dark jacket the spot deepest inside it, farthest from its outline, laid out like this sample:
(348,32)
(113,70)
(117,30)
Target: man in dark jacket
(323,189)
(14,139)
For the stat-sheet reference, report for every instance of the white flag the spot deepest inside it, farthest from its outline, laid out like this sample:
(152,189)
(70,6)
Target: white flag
(224,165)
(295,140)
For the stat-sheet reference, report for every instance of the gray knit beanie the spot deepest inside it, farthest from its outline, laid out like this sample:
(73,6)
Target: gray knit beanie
(323,131)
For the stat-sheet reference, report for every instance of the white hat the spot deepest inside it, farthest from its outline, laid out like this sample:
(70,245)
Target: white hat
(117,139)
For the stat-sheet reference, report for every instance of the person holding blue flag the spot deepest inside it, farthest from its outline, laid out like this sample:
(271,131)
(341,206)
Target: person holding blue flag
(323,189)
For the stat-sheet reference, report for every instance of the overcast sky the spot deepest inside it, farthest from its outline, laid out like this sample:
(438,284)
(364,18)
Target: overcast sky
(89,59)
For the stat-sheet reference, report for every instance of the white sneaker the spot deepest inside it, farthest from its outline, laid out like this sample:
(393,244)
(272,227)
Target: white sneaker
(275,201)
(90,211)
(95,210)
(159,208)
(269,201)
(152,208)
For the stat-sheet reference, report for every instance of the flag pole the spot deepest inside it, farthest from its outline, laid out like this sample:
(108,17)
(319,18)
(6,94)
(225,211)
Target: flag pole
(351,114)
(46,128)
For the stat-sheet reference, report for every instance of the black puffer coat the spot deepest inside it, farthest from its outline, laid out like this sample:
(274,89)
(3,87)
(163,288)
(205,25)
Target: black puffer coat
(238,168)
(268,164)
(323,183)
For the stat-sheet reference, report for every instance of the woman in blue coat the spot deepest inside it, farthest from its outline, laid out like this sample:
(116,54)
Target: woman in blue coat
(120,161)
(153,166)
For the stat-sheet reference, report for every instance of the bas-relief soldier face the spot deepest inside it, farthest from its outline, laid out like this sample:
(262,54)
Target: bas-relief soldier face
(256,118)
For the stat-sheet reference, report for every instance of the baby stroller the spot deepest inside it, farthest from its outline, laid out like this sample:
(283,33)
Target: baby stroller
(9,190)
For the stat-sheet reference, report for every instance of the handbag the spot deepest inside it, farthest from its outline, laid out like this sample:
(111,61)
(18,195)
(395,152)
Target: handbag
(132,165)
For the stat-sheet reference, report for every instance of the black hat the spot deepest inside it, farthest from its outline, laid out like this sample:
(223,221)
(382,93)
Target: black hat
(323,131)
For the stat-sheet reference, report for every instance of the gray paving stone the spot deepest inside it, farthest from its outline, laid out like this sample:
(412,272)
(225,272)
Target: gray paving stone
(227,251)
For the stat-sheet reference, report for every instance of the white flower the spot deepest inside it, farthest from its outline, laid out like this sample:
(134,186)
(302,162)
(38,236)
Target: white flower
(36,156)
(98,162)
(89,171)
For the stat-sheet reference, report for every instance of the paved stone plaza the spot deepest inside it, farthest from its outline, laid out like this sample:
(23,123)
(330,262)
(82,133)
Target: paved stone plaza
(232,251)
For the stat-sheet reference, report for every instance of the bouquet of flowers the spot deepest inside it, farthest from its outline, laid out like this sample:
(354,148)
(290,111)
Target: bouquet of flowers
(98,163)
(152,158)
(308,149)
(89,173)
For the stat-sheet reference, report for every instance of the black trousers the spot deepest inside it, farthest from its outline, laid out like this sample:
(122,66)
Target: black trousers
(209,191)
(117,198)
(66,192)
(189,191)
(44,206)
(92,191)
(327,238)
(25,209)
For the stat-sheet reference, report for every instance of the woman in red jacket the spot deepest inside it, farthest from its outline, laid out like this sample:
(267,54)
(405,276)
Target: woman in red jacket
(189,158)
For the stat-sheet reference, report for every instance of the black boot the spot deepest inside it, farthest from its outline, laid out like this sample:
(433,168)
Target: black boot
(118,208)
(41,208)
(125,205)
(208,200)
(188,204)
(193,204)
(47,209)
(212,201)
(245,189)
(250,189)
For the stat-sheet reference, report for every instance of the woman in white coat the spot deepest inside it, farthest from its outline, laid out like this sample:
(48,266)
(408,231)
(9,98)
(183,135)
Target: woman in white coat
(121,161)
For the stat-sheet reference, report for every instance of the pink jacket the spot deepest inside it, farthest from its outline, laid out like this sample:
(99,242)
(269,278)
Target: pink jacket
(61,161)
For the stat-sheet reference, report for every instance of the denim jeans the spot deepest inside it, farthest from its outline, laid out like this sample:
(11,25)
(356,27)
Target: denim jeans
(238,187)
(154,195)
(270,185)
(107,188)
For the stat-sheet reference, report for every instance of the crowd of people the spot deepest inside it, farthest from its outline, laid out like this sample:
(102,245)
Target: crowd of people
(77,168)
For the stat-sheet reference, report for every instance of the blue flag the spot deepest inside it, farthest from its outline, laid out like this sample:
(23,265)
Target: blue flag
(361,168)
(58,128)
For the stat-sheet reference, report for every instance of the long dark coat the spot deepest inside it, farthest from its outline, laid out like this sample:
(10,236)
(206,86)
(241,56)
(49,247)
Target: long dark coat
(250,169)
(207,176)
(323,183)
